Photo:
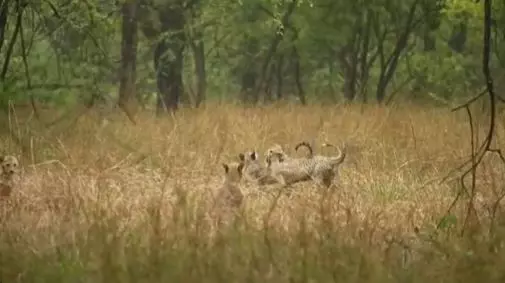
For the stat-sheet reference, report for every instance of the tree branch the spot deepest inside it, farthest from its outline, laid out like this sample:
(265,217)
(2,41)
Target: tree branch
(275,42)
(478,155)
(8,55)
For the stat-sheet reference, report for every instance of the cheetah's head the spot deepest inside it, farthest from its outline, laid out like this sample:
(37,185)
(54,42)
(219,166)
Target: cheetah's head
(249,157)
(9,165)
(277,151)
(233,171)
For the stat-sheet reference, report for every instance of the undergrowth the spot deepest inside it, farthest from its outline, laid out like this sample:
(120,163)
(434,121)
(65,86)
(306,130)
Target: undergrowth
(103,200)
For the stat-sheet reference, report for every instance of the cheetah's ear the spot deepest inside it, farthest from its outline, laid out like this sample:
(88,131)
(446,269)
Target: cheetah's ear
(241,157)
(226,168)
(254,155)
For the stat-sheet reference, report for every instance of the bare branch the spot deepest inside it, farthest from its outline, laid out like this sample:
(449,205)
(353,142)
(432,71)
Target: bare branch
(4,11)
(274,44)
(472,100)
(478,155)
(27,70)
(86,31)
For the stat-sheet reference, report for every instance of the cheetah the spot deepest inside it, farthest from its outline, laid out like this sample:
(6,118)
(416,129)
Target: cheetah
(308,146)
(229,196)
(285,169)
(326,169)
(318,168)
(255,171)
(287,172)
(9,166)
(278,151)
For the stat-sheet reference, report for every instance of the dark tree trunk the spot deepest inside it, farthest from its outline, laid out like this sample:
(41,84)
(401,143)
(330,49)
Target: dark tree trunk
(349,57)
(364,63)
(198,48)
(388,67)
(298,79)
(279,77)
(279,35)
(248,82)
(4,11)
(429,42)
(249,74)
(457,41)
(349,68)
(201,73)
(12,42)
(358,56)
(269,83)
(432,17)
(127,73)
(168,58)
(168,75)
(248,67)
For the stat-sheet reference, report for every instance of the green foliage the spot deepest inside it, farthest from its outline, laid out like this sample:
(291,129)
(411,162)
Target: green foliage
(446,75)
(78,43)
(456,10)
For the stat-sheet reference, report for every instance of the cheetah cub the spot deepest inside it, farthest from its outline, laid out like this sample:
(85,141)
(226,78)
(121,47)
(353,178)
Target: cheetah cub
(320,169)
(9,166)
(277,151)
(255,171)
(287,172)
(325,169)
(229,195)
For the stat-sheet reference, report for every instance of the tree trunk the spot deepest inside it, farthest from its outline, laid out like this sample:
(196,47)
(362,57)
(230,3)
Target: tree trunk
(457,41)
(10,47)
(248,66)
(429,41)
(388,68)
(298,79)
(249,75)
(168,58)
(4,11)
(201,73)
(279,35)
(247,89)
(364,63)
(127,72)
(279,77)
(349,68)
(168,75)
(432,17)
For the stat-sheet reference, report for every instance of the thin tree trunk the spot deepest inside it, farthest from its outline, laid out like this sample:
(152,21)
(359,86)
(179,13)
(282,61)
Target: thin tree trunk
(388,68)
(273,46)
(4,11)
(12,42)
(364,71)
(298,79)
(279,77)
(127,73)
(201,73)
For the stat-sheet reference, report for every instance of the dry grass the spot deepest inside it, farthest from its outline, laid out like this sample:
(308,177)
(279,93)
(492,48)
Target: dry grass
(113,202)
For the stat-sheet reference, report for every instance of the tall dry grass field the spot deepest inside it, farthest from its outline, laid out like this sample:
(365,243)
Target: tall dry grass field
(103,200)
